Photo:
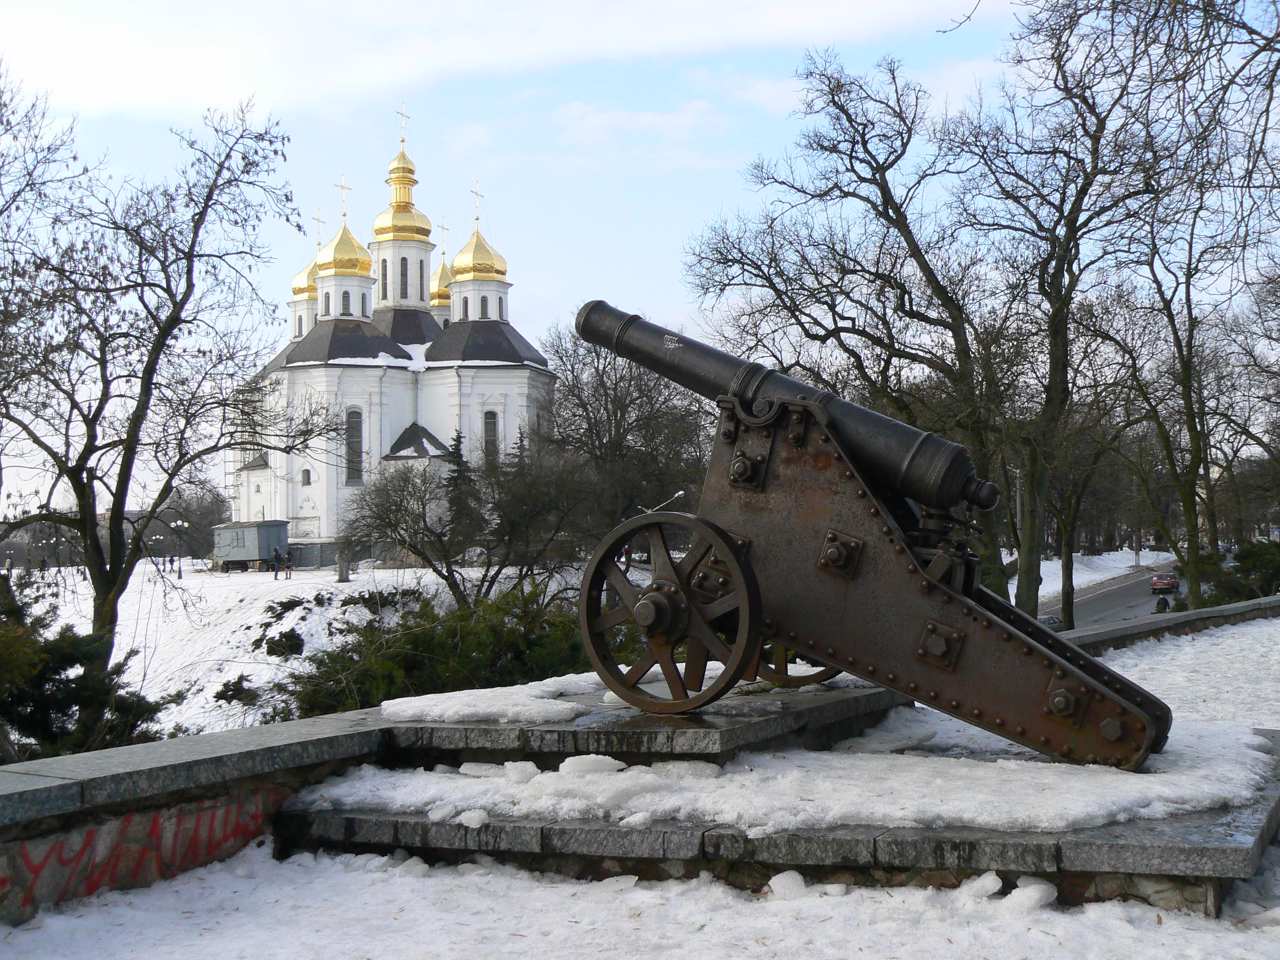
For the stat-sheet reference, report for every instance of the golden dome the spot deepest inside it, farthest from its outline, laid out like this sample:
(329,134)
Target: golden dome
(401,220)
(343,256)
(304,284)
(441,277)
(479,261)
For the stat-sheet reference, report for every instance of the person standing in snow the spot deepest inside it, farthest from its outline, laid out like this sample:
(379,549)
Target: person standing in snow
(288,565)
(275,563)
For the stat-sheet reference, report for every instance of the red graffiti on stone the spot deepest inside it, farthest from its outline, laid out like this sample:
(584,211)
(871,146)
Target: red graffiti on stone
(137,848)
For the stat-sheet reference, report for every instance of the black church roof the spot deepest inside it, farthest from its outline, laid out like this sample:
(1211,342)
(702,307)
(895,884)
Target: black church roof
(492,340)
(415,441)
(332,341)
(406,325)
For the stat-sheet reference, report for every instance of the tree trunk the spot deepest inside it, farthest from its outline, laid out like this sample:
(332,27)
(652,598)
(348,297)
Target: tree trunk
(1031,538)
(1067,532)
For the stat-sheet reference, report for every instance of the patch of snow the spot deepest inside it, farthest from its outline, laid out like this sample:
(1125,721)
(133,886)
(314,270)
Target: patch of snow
(967,778)
(320,908)
(788,885)
(588,763)
(524,703)
(197,633)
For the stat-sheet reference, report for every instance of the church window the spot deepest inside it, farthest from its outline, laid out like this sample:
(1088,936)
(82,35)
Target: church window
(384,278)
(306,478)
(355,447)
(364,304)
(502,309)
(466,304)
(257,488)
(422,280)
(297,326)
(490,435)
(346,303)
(404,278)
(326,304)
(484,308)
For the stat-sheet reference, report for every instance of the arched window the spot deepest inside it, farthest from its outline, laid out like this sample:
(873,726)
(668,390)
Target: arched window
(326,304)
(466,305)
(257,488)
(346,303)
(502,309)
(404,278)
(422,280)
(490,435)
(297,327)
(384,278)
(364,304)
(355,447)
(306,478)
(484,308)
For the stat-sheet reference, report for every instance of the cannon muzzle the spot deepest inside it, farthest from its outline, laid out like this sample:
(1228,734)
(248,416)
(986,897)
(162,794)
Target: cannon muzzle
(894,456)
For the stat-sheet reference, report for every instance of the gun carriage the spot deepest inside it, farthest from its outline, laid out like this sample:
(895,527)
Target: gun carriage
(830,538)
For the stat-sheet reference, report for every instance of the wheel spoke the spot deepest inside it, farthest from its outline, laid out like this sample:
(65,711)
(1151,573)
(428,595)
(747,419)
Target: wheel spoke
(718,608)
(695,664)
(708,638)
(640,669)
(660,556)
(684,569)
(780,658)
(626,590)
(671,672)
(612,618)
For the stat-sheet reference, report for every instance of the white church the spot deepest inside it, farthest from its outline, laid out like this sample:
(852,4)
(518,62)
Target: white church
(409,354)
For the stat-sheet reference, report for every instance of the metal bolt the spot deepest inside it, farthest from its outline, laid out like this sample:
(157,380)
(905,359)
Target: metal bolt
(1111,729)
(1019,729)
(861,493)
(723,581)
(955,704)
(999,722)
(1058,673)
(886,531)
(933,694)
(891,677)
(759,458)
(975,712)
(1061,702)
(831,538)
(871,668)
(912,686)
(831,651)
(875,511)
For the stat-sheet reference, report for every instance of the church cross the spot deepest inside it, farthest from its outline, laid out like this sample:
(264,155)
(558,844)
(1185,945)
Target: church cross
(477,196)
(319,222)
(404,120)
(343,190)
(443,228)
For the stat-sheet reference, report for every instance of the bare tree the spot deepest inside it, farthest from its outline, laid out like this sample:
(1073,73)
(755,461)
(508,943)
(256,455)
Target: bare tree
(142,331)
(639,437)
(479,528)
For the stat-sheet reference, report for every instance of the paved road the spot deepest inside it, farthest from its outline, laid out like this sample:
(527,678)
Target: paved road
(1121,599)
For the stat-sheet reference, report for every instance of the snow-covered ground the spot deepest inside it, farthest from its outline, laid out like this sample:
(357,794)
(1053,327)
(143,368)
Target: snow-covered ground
(1087,570)
(367,906)
(196,633)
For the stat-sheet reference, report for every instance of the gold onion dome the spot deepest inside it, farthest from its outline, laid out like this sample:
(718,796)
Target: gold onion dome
(479,261)
(343,256)
(441,277)
(304,284)
(401,220)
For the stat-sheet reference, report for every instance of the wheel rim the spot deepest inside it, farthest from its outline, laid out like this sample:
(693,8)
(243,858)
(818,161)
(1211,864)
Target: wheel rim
(679,610)
(783,667)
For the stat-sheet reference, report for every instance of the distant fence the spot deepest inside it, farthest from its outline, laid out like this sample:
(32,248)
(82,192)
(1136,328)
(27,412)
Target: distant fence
(1109,636)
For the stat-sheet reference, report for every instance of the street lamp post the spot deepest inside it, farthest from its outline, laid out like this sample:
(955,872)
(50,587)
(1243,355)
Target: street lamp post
(179,527)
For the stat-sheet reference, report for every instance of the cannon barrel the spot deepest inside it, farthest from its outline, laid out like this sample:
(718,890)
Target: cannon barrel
(894,456)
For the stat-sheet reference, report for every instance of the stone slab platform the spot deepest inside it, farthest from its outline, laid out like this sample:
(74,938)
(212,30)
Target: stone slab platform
(813,717)
(1180,862)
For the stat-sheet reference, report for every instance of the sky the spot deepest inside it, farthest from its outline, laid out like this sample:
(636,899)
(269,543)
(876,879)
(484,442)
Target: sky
(603,137)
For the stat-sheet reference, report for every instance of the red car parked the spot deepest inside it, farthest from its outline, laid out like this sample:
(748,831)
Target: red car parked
(1165,583)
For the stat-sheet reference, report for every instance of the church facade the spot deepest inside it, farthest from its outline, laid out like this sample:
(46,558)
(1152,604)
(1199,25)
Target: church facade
(406,353)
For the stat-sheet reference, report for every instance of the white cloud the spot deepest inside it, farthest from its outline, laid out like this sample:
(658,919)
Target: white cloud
(152,56)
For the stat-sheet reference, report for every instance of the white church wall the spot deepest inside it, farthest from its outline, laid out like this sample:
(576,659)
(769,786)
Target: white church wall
(418,287)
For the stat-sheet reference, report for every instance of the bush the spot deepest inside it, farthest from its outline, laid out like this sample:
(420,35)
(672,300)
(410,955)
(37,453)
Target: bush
(514,638)
(1255,574)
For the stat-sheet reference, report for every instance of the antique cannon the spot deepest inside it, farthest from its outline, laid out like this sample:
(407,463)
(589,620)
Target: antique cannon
(830,538)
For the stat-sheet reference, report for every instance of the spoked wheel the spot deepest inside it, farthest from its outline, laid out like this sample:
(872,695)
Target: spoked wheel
(783,667)
(683,591)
